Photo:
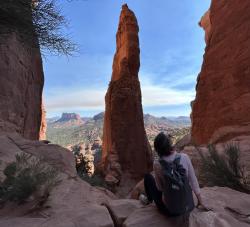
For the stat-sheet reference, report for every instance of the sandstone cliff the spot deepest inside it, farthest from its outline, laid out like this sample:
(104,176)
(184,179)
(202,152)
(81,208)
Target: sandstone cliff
(125,145)
(21,84)
(43,127)
(222,104)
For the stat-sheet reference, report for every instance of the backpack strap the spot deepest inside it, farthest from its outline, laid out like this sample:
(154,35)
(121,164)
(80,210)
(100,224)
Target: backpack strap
(163,163)
(177,159)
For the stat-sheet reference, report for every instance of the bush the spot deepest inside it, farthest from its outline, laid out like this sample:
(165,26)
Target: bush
(27,176)
(224,170)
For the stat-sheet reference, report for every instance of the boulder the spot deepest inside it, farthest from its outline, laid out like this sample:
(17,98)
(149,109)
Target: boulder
(121,209)
(184,141)
(229,208)
(150,216)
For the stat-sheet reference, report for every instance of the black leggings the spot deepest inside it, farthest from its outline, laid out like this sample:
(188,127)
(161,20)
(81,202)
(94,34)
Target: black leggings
(153,193)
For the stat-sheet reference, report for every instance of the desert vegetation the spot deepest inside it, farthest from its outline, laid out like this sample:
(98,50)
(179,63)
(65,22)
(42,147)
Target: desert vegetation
(226,169)
(25,177)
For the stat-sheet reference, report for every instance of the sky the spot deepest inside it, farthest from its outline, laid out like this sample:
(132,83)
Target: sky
(172,47)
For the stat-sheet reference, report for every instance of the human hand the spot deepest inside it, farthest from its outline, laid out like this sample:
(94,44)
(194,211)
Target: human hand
(202,207)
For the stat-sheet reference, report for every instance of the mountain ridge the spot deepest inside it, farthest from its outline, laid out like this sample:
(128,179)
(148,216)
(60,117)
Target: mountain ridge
(72,132)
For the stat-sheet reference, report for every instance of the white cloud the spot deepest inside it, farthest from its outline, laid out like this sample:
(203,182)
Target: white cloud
(67,99)
(82,98)
(153,95)
(158,95)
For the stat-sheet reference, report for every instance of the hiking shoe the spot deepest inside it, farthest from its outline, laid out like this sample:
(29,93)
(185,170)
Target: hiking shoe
(144,199)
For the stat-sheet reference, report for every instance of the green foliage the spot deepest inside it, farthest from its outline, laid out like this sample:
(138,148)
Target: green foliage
(36,20)
(26,176)
(225,169)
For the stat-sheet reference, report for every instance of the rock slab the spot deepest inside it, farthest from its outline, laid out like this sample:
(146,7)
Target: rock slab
(73,202)
(229,208)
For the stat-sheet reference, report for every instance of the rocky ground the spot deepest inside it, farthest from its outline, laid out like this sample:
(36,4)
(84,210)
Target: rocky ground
(75,203)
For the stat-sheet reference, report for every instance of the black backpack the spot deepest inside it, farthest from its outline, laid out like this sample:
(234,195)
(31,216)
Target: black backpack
(177,191)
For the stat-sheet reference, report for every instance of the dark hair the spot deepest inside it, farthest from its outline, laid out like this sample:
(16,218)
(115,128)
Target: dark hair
(163,144)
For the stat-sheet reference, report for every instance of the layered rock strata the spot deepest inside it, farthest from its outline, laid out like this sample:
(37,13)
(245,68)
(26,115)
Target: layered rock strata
(125,145)
(222,104)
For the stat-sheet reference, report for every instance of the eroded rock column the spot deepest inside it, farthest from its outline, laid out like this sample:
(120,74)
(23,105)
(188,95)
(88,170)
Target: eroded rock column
(125,146)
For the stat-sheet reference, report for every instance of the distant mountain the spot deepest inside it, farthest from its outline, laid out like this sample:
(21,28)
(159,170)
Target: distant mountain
(171,122)
(72,129)
(99,116)
(69,117)
(67,120)
(52,119)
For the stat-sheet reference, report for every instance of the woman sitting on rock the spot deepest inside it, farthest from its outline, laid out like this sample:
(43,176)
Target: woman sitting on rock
(171,188)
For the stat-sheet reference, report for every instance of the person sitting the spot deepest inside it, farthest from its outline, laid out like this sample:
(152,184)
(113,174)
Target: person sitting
(175,179)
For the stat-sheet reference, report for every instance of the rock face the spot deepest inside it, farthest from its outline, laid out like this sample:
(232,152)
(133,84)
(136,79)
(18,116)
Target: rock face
(125,145)
(21,84)
(222,102)
(205,23)
(43,128)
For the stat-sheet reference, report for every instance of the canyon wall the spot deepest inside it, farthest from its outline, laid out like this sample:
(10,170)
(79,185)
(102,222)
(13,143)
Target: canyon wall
(125,145)
(21,85)
(222,104)
(43,126)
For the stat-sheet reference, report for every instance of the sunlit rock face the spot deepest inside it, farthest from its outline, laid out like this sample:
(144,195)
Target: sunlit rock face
(43,127)
(21,85)
(222,104)
(205,23)
(125,145)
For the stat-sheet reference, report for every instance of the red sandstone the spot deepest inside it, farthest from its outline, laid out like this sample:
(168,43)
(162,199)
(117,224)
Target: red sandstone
(125,145)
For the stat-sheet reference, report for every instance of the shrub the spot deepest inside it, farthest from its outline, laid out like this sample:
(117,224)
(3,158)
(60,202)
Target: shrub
(25,177)
(225,169)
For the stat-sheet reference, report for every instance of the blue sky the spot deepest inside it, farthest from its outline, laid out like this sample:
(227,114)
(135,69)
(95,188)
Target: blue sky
(172,47)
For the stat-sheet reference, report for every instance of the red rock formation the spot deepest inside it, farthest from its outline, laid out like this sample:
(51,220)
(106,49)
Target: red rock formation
(69,119)
(69,116)
(125,145)
(205,23)
(43,128)
(21,84)
(222,104)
